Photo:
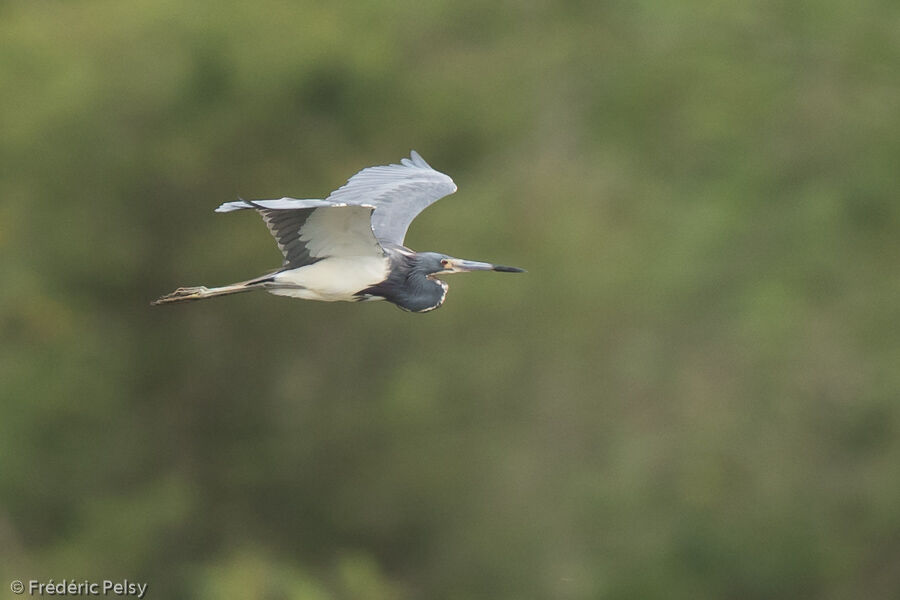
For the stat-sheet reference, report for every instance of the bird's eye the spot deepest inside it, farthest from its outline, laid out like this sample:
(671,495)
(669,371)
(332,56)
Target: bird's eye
(444,262)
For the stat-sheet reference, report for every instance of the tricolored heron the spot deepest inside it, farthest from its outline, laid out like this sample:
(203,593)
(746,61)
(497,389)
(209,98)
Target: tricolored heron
(350,246)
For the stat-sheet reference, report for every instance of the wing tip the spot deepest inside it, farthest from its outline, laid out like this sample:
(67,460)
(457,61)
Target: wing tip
(232,206)
(415,160)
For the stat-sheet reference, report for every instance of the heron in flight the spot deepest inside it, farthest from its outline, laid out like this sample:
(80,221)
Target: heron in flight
(349,247)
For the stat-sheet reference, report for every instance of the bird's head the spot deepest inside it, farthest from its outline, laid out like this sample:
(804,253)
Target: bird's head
(434,263)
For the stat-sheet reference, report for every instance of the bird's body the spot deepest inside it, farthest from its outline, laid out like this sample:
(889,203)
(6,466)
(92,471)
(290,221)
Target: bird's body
(335,279)
(349,247)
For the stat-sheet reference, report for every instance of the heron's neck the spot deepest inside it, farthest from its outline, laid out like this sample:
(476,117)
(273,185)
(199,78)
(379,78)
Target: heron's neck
(409,286)
(421,292)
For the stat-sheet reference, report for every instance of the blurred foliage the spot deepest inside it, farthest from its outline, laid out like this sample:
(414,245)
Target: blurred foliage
(693,393)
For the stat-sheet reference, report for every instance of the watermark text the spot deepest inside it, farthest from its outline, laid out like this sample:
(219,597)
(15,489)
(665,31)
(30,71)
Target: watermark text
(76,587)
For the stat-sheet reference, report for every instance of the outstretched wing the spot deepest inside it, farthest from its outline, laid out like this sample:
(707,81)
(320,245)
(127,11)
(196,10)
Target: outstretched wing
(398,193)
(309,230)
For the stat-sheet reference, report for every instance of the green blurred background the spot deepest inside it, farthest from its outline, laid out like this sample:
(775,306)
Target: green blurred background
(693,393)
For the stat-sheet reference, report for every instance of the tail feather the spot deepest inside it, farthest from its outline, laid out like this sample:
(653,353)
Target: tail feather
(187,294)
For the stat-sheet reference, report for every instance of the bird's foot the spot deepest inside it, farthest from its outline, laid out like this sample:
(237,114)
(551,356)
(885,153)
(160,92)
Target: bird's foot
(183,294)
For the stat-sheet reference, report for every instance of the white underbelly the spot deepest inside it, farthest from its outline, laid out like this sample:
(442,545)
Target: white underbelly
(332,279)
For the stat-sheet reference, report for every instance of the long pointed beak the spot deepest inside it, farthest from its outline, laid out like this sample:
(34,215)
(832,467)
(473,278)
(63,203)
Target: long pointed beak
(461,266)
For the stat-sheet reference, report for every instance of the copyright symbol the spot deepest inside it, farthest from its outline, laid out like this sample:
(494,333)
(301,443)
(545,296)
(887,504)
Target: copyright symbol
(17,586)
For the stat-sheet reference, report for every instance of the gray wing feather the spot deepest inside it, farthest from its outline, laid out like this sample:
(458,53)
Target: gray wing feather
(284,225)
(280,204)
(398,193)
(286,218)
